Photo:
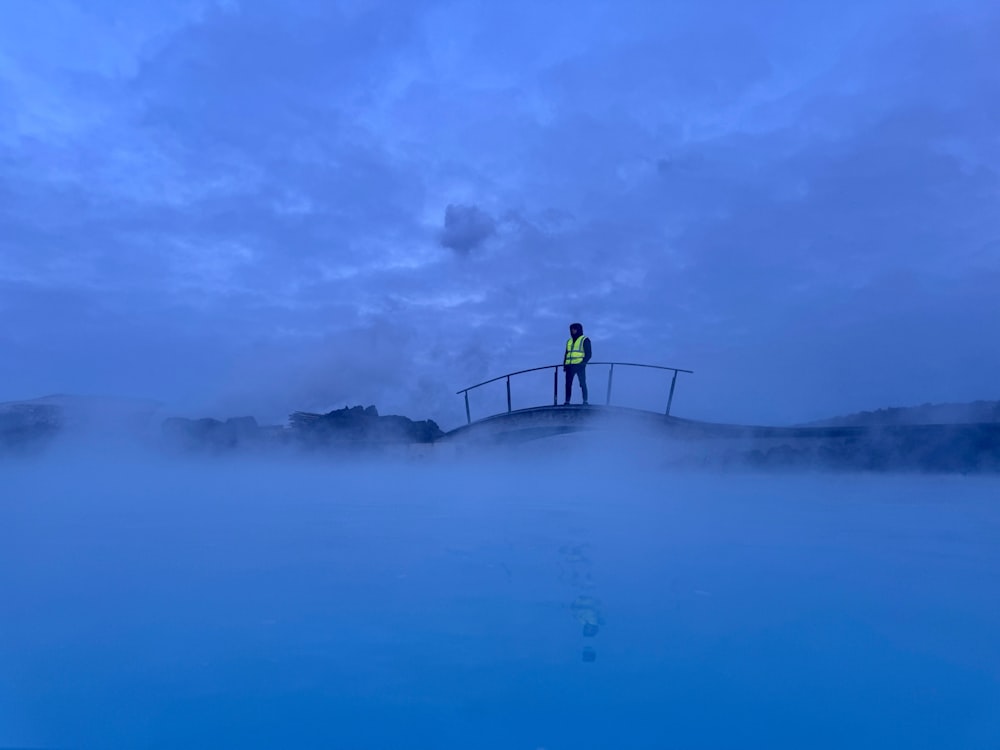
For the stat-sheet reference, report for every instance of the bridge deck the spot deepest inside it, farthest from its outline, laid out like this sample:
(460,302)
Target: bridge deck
(541,421)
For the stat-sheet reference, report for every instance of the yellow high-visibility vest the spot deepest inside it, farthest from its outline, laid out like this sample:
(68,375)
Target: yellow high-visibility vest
(574,351)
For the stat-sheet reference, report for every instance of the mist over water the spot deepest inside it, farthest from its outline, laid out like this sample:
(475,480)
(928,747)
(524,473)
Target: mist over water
(442,602)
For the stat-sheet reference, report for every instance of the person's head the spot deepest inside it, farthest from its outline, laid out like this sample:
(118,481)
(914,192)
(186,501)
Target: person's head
(575,329)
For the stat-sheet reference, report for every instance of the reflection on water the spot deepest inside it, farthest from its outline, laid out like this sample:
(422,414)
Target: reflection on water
(577,573)
(447,607)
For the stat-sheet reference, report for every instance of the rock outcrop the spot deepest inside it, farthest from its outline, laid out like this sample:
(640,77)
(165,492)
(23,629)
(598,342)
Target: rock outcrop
(974,412)
(361,425)
(933,448)
(27,426)
(354,427)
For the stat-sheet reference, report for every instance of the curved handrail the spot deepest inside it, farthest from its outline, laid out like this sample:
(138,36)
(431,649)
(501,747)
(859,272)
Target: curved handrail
(555,382)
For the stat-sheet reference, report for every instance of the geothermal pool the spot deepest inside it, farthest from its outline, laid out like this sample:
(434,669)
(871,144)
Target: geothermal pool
(560,602)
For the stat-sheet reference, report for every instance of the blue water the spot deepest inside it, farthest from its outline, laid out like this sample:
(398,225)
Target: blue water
(427,604)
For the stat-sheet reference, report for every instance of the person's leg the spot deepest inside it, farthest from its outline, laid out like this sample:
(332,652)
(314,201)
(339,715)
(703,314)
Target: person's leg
(581,375)
(569,382)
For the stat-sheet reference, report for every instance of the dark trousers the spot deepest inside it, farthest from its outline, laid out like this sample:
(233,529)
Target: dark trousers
(581,375)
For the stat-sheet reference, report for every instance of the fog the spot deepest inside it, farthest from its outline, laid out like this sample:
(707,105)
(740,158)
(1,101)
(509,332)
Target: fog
(550,596)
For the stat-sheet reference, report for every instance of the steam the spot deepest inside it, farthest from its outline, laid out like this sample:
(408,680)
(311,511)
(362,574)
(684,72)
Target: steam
(572,594)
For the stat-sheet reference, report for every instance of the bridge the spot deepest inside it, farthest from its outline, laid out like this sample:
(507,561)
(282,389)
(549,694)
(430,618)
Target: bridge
(555,383)
(555,419)
(932,447)
(548,420)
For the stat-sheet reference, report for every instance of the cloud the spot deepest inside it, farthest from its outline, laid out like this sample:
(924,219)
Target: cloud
(263,183)
(466,228)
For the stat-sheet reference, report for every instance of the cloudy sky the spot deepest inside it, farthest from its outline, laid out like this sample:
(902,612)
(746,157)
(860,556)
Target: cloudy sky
(253,207)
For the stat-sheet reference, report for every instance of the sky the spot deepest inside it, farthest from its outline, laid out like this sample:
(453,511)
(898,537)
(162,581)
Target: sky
(260,207)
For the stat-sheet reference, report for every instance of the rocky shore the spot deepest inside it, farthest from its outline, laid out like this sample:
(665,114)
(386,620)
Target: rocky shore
(351,427)
(855,443)
(28,427)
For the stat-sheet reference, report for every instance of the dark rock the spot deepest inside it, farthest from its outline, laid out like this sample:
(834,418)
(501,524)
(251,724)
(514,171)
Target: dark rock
(361,426)
(937,448)
(974,412)
(355,426)
(27,426)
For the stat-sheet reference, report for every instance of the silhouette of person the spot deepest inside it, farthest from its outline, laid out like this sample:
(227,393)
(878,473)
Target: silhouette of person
(578,354)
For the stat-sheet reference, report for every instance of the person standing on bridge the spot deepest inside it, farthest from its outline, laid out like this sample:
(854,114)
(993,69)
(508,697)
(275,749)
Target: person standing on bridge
(578,353)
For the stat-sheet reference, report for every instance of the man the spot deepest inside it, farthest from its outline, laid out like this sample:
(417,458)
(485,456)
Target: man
(575,361)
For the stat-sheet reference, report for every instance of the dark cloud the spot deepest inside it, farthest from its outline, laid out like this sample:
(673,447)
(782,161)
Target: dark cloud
(466,227)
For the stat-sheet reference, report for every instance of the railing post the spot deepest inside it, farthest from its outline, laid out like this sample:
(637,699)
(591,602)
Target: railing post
(508,394)
(468,417)
(611,375)
(673,384)
(555,385)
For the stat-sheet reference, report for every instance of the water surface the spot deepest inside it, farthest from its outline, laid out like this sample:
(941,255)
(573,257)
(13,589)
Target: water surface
(442,604)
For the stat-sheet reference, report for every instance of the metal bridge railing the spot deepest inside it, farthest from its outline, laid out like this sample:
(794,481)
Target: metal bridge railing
(555,383)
